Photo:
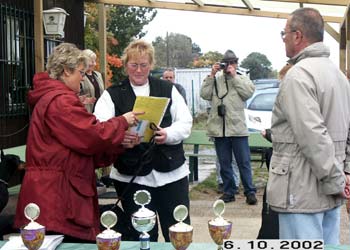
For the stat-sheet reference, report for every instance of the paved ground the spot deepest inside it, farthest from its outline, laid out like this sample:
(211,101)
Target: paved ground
(246,219)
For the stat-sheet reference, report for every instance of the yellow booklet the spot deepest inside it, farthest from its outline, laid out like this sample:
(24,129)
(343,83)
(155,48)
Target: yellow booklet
(154,108)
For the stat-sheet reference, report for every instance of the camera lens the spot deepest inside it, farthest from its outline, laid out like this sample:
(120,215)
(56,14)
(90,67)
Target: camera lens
(222,65)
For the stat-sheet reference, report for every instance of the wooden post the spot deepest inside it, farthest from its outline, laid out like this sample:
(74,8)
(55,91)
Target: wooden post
(102,40)
(38,36)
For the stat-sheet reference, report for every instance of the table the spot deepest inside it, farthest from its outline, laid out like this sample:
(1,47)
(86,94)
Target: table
(133,245)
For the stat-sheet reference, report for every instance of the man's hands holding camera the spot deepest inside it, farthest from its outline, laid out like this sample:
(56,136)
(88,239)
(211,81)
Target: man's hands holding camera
(228,68)
(214,69)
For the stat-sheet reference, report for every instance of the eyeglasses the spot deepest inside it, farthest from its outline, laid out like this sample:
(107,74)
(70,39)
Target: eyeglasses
(82,73)
(284,33)
(135,66)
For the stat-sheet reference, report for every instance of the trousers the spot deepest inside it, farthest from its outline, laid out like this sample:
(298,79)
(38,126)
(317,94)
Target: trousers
(224,147)
(324,225)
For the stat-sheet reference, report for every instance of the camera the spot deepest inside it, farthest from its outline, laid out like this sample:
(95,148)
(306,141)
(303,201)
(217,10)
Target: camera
(221,110)
(223,65)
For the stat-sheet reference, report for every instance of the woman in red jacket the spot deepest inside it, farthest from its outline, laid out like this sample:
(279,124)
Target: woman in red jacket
(64,146)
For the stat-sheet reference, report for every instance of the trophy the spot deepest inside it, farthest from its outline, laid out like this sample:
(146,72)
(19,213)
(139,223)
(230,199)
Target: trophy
(32,234)
(108,239)
(219,228)
(143,220)
(180,234)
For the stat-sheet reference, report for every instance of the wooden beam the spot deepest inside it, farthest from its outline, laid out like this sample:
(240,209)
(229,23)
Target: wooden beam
(102,38)
(332,32)
(206,8)
(198,2)
(38,36)
(347,39)
(248,4)
(325,2)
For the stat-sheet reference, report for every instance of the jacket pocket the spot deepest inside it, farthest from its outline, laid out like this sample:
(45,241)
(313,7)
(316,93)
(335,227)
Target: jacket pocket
(168,157)
(81,201)
(278,183)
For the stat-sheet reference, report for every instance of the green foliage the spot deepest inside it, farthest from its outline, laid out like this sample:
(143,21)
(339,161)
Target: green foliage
(258,64)
(273,74)
(175,50)
(208,59)
(123,25)
(91,27)
(126,23)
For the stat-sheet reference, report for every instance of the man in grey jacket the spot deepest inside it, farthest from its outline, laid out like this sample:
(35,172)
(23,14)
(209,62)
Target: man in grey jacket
(228,92)
(308,178)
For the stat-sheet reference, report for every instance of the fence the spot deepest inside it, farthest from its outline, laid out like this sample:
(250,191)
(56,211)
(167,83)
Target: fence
(191,80)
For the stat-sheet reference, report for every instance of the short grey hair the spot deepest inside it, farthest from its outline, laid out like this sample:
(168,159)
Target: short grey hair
(65,56)
(90,54)
(169,69)
(310,22)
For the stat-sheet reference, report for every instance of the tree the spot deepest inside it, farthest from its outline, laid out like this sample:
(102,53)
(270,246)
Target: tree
(175,50)
(123,25)
(91,42)
(207,59)
(126,23)
(258,64)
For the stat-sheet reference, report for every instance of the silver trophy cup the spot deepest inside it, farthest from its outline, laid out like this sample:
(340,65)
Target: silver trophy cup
(143,220)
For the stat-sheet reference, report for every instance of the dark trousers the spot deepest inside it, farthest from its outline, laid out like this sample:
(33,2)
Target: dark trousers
(4,196)
(269,219)
(164,199)
(224,147)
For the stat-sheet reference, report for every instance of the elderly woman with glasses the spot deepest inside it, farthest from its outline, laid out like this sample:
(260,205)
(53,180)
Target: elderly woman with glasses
(165,176)
(64,146)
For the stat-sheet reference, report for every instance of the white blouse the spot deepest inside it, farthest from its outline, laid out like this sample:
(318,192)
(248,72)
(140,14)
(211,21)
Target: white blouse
(179,130)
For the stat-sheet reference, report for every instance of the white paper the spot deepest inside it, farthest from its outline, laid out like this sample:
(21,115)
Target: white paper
(140,128)
(50,243)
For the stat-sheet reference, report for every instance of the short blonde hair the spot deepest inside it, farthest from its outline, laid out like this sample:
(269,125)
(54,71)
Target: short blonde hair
(136,49)
(65,56)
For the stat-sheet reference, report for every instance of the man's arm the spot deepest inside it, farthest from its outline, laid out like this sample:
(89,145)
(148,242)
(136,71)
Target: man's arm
(244,87)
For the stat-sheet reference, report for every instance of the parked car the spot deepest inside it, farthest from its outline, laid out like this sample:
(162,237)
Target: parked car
(258,109)
(266,83)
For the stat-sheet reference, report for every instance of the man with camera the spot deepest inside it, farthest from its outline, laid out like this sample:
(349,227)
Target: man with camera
(227,91)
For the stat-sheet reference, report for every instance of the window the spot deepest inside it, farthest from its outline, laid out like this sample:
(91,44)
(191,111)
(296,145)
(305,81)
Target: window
(263,102)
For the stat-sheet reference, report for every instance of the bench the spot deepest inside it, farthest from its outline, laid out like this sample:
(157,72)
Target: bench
(258,146)
(197,137)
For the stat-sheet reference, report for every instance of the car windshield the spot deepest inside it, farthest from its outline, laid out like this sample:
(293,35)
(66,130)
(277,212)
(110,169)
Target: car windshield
(263,102)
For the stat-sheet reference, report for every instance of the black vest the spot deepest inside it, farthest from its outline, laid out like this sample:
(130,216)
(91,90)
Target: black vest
(164,158)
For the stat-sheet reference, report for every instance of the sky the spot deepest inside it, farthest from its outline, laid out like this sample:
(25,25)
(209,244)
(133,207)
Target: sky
(220,32)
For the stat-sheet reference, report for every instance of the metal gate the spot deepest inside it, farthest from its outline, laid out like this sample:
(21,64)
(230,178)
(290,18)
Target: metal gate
(16,72)
(16,59)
